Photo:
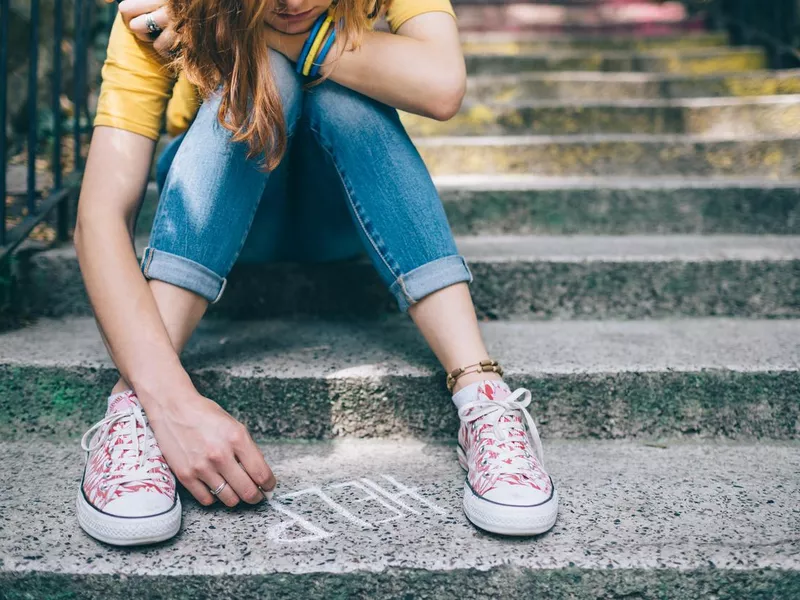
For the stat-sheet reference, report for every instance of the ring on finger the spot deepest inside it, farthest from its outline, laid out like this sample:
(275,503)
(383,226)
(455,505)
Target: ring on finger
(219,488)
(152,27)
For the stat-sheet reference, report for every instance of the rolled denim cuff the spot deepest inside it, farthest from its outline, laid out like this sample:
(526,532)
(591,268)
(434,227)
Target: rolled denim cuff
(185,273)
(430,277)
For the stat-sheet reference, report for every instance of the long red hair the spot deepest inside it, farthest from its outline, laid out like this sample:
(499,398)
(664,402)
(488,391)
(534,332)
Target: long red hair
(223,46)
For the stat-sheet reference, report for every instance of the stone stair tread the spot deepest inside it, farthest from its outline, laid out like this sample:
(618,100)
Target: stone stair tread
(534,182)
(712,102)
(603,248)
(624,76)
(340,350)
(592,138)
(683,514)
(552,53)
(630,248)
(564,38)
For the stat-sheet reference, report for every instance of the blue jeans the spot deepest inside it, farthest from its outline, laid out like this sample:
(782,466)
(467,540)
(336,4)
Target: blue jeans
(351,181)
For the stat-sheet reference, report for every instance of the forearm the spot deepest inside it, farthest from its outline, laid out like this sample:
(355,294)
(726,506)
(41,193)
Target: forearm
(407,73)
(125,309)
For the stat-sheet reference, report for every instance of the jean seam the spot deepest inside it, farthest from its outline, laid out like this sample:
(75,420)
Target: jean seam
(353,204)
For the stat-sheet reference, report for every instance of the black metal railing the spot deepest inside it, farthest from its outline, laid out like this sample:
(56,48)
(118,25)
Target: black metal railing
(56,194)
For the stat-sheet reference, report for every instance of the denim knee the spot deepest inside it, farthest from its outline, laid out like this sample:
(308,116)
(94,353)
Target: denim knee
(210,196)
(391,195)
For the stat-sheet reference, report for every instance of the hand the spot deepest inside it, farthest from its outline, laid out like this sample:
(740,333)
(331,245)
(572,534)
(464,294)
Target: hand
(205,446)
(134,14)
(290,45)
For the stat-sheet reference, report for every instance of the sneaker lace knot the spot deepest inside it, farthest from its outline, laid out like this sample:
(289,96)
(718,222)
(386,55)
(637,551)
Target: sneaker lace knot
(134,454)
(505,431)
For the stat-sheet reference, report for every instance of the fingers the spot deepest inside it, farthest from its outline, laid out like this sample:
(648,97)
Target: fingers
(241,483)
(199,490)
(166,43)
(129,9)
(253,463)
(138,24)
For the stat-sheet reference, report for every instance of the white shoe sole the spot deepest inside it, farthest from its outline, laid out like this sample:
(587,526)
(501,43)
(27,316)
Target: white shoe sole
(128,531)
(506,519)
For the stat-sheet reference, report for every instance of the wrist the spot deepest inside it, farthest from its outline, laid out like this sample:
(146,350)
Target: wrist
(161,393)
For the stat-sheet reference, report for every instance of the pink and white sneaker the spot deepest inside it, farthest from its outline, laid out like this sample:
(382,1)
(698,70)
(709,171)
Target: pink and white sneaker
(507,490)
(128,494)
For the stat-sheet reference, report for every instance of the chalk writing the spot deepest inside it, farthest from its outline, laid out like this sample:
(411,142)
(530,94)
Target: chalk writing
(296,528)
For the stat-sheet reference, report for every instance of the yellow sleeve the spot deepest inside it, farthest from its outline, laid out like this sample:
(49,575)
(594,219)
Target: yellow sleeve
(182,108)
(401,11)
(136,85)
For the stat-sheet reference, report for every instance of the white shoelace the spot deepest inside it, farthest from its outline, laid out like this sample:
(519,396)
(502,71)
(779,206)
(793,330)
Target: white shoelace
(134,459)
(493,411)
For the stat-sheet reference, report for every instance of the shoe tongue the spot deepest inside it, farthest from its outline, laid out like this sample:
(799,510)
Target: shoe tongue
(122,402)
(483,390)
(493,391)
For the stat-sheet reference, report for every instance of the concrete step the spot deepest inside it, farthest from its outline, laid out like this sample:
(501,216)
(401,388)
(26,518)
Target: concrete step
(310,379)
(702,61)
(538,205)
(761,115)
(496,204)
(594,87)
(645,17)
(516,277)
(529,42)
(633,155)
(381,519)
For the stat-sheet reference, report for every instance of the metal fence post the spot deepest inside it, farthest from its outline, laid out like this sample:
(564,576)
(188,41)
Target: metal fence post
(4,6)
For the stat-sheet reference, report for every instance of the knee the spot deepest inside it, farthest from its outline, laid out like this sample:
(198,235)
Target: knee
(334,109)
(289,86)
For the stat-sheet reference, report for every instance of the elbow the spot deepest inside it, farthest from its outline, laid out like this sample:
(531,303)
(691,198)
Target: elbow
(447,102)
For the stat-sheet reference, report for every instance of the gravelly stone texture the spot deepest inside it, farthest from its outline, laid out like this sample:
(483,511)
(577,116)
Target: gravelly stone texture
(635,521)
(536,277)
(532,206)
(697,62)
(619,155)
(645,379)
(587,86)
(770,115)
(522,42)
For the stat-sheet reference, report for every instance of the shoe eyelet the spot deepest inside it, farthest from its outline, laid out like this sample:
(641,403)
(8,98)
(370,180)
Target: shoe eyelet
(164,478)
(103,486)
(108,464)
(106,475)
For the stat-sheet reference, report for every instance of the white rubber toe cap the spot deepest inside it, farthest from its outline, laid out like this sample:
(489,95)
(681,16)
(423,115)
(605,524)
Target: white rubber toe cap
(139,504)
(516,495)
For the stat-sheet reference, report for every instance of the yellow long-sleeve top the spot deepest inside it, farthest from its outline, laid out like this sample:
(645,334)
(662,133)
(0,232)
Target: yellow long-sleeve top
(137,87)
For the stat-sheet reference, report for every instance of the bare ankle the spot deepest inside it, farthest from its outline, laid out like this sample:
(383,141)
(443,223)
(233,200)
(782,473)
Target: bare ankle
(121,386)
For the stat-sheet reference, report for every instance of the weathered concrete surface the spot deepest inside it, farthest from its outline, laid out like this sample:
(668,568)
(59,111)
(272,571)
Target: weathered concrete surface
(536,205)
(702,61)
(613,155)
(530,42)
(601,205)
(572,86)
(756,116)
(643,17)
(678,520)
(537,277)
(644,379)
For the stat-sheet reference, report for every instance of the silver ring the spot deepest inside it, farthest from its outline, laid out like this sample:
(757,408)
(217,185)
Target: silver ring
(220,487)
(152,27)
